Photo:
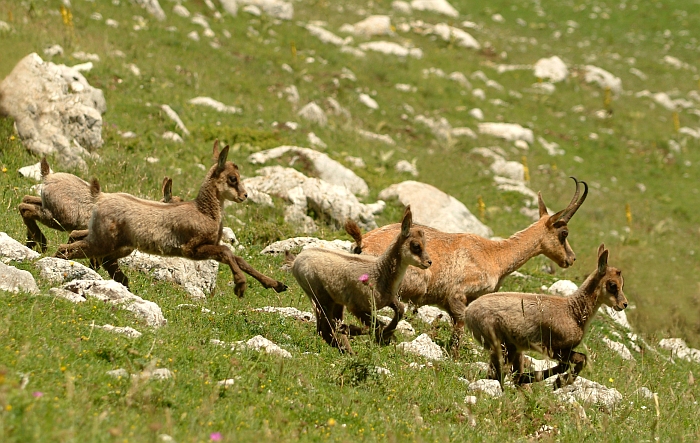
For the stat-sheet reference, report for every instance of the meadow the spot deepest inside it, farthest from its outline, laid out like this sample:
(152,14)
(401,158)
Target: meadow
(643,204)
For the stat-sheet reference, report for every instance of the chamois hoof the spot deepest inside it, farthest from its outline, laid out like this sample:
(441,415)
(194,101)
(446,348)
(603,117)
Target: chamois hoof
(239,289)
(279,287)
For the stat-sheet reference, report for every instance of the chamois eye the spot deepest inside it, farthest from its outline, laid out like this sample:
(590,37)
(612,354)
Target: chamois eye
(232,181)
(563,235)
(612,288)
(416,248)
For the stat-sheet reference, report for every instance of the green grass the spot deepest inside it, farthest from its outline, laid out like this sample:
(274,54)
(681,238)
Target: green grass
(312,396)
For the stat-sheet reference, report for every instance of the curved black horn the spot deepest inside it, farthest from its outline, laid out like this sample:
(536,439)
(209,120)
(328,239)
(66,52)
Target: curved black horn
(571,209)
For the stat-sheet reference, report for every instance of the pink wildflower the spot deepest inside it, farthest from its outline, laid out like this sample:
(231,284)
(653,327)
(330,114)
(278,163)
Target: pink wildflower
(364,278)
(215,436)
(38,394)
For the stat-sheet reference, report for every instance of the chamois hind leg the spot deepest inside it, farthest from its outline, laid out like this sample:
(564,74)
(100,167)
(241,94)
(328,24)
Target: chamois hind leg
(264,280)
(456,308)
(81,249)
(222,254)
(329,318)
(496,364)
(578,360)
(30,209)
(111,265)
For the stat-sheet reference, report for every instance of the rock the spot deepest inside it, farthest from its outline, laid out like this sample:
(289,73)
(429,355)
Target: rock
(368,101)
(306,242)
(563,287)
(422,346)
(618,317)
(197,277)
(210,102)
(403,326)
(66,295)
(681,350)
(252,10)
(227,382)
(492,388)
(459,37)
(56,270)
(127,330)
(391,48)
(53,50)
(176,118)
(539,365)
(440,127)
(16,280)
(313,113)
(172,136)
(153,8)
(327,169)
(257,343)
(552,69)
(401,6)
(314,140)
(274,8)
(618,347)
(407,167)
(434,208)
(429,314)
(587,391)
(115,293)
(645,393)
(55,109)
(11,249)
(507,131)
(604,79)
(289,312)
(438,6)
(551,148)
(510,170)
(156,374)
(371,26)
(379,137)
(181,11)
(118,373)
(477,113)
(327,36)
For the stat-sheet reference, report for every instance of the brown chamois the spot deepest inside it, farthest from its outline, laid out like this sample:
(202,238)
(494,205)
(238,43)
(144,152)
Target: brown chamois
(334,280)
(467,266)
(66,204)
(549,324)
(192,229)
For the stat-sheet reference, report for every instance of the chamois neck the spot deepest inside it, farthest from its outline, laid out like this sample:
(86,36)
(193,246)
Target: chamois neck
(208,201)
(513,252)
(390,269)
(584,303)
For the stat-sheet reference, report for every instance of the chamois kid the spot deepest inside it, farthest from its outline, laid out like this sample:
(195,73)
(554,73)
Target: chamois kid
(549,324)
(192,229)
(334,280)
(467,266)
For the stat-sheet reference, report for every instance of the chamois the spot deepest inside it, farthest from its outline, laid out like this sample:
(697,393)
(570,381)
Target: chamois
(549,324)
(467,266)
(66,204)
(334,280)
(192,229)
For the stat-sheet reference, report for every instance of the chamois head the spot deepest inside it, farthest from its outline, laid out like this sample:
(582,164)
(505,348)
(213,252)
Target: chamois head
(555,244)
(609,289)
(412,242)
(225,174)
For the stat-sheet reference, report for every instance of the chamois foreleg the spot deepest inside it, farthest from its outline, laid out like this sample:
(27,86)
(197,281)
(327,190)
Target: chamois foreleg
(111,265)
(456,309)
(30,209)
(264,280)
(222,254)
(399,310)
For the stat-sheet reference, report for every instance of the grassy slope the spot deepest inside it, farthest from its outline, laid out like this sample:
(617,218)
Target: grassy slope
(52,340)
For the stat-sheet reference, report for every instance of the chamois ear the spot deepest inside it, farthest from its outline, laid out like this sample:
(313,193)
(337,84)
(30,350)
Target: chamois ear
(540,202)
(602,259)
(551,221)
(45,168)
(167,189)
(215,153)
(406,222)
(221,165)
(94,187)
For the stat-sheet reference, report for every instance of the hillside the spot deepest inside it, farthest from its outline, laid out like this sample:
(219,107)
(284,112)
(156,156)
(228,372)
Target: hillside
(633,137)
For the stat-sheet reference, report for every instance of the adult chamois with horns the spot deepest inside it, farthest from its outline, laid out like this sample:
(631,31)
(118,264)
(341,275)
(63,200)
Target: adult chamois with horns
(467,266)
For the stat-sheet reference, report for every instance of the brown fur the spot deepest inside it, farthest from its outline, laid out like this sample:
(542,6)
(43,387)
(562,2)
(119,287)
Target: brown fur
(331,280)
(548,324)
(466,266)
(192,229)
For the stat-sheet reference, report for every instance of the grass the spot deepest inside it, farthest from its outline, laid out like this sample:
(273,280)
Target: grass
(319,394)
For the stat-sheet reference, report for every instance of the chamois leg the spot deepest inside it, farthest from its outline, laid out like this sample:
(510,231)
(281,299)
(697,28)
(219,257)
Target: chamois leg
(578,360)
(80,249)
(329,317)
(456,309)
(368,320)
(399,311)
(264,280)
(514,361)
(111,265)
(31,211)
(76,235)
(221,254)
(496,364)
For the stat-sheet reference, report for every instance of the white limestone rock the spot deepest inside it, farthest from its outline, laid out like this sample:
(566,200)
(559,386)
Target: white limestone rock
(66,295)
(477,113)
(391,48)
(315,140)
(553,69)
(280,9)
(16,280)
(289,312)
(32,171)
(126,330)
(56,270)
(314,114)
(460,37)
(55,109)
(402,327)
(563,287)
(622,350)
(53,50)
(430,314)
(327,169)
(181,11)
(153,8)
(587,391)
(432,207)
(551,148)
(440,127)
(217,105)
(679,349)
(438,6)
(501,167)
(368,101)
(260,344)
(604,79)
(176,118)
(384,138)
(407,167)
(172,136)
(492,388)
(115,293)
(118,373)
(306,242)
(423,346)
(327,36)
(618,317)
(197,277)
(11,249)
(401,7)
(507,131)
(370,26)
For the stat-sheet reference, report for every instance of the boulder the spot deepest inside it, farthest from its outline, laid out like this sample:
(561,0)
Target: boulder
(11,249)
(423,346)
(56,270)
(587,391)
(55,109)
(197,277)
(306,242)
(681,350)
(438,6)
(552,69)
(434,208)
(325,167)
(117,294)
(16,280)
